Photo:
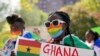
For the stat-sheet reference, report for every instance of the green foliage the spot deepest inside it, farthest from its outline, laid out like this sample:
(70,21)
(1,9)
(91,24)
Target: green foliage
(5,29)
(89,5)
(1,25)
(81,18)
(31,14)
(81,24)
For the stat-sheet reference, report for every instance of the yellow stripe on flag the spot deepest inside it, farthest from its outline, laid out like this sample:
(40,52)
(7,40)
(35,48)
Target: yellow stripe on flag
(33,50)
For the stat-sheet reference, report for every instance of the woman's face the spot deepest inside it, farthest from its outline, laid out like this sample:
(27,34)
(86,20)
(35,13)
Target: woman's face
(16,30)
(57,17)
(55,25)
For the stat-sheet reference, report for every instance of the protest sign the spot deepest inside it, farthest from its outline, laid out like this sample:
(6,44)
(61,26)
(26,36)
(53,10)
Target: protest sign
(59,50)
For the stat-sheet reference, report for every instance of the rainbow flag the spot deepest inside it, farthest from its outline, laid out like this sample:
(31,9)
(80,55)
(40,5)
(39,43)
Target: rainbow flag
(28,48)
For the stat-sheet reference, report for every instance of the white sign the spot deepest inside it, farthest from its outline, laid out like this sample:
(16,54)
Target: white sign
(48,49)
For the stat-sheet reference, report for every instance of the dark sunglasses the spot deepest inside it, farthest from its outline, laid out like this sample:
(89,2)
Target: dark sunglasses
(54,22)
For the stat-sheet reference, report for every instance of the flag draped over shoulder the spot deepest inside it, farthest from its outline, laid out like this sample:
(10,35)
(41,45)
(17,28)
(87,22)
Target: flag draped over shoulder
(30,35)
(28,48)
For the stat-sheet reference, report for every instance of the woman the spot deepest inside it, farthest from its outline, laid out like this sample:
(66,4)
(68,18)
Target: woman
(58,27)
(17,28)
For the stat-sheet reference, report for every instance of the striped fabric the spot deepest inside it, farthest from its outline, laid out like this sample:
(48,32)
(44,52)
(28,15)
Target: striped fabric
(28,48)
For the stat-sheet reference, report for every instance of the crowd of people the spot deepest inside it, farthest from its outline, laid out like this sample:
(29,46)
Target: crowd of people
(58,27)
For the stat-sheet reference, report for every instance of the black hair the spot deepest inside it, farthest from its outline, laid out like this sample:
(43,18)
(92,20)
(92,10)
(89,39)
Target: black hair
(65,17)
(95,34)
(11,19)
(20,20)
(15,19)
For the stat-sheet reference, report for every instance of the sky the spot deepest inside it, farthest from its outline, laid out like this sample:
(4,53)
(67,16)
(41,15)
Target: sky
(8,8)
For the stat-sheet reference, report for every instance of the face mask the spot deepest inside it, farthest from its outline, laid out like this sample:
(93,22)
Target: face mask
(55,32)
(15,34)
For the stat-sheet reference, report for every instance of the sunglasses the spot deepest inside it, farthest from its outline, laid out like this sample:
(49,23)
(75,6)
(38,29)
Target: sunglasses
(54,22)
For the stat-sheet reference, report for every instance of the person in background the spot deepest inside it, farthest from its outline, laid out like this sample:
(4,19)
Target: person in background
(17,26)
(36,31)
(93,41)
(90,38)
(58,26)
(17,29)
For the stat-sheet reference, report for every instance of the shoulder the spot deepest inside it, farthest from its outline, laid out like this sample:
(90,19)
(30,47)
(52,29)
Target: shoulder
(31,35)
(69,36)
(77,42)
(27,34)
(67,39)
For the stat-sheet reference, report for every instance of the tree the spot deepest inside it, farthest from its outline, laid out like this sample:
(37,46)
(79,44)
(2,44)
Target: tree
(88,5)
(81,20)
(31,14)
(4,33)
(8,7)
